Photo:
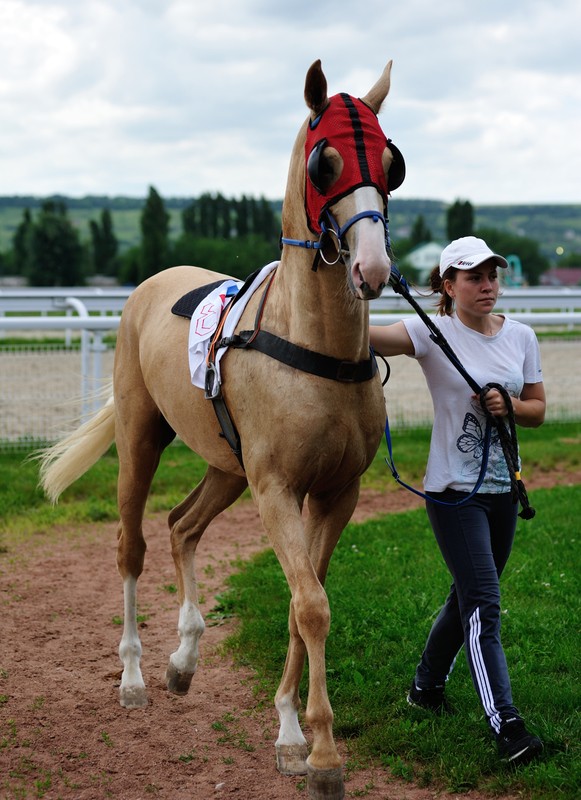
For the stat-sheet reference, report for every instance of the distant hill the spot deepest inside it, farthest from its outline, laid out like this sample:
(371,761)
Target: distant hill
(551,225)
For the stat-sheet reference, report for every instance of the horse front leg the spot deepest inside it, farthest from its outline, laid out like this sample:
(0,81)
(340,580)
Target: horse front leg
(187,522)
(304,556)
(291,746)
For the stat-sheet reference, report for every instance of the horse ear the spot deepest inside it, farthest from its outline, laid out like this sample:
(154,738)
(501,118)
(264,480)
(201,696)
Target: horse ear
(316,88)
(376,95)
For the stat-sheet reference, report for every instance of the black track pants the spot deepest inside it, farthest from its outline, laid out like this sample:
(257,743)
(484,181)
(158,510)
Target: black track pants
(475,540)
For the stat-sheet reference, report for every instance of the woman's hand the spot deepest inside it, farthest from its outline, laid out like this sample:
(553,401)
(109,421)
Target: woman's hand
(529,408)
(494,403)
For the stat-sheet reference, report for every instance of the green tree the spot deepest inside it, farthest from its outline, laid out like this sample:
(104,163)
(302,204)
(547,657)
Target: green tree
(235,257)
(533,262)
(104,245)
(21,243)
(420,233)
(460,220)
(109,244)
(223,222)
(218,217)
(130,267)
(207,228)
(266,224)
(54,255)
(572,259)
(242,222)
(191,218)
(155,249)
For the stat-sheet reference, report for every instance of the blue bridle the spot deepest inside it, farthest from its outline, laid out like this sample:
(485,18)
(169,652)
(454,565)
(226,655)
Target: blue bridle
(331,228)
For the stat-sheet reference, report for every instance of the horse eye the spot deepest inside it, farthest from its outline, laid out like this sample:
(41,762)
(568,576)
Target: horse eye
(320,169)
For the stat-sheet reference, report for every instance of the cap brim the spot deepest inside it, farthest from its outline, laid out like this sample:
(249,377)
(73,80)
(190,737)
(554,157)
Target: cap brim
(472,261)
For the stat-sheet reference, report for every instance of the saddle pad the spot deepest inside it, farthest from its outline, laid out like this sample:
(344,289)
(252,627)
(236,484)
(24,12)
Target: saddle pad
(205,316)
(187,304)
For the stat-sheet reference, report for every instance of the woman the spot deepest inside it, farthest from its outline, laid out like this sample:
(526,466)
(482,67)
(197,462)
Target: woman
(475,537)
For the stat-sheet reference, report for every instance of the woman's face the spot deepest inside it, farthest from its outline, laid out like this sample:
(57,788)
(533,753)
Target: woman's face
(475,291)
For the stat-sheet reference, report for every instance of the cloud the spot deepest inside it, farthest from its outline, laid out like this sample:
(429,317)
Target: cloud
(106,97)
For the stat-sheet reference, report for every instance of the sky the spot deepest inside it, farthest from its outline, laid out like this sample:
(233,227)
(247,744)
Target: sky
(191,96)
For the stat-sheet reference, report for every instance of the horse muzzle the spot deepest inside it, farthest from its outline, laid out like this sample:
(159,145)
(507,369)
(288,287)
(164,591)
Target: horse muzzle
(368,285)
(365,291)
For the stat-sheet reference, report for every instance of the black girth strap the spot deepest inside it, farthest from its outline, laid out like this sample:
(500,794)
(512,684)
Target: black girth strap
(303,359)
(294,356)
(229,431)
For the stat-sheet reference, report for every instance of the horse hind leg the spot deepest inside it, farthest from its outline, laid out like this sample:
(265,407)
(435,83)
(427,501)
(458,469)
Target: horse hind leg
(187,522)
(139,454)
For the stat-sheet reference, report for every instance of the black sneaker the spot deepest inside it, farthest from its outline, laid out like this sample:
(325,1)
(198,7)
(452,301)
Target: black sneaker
(432,699)
(516,745)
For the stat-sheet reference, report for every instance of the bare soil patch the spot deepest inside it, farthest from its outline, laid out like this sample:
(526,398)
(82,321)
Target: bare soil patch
(62,731)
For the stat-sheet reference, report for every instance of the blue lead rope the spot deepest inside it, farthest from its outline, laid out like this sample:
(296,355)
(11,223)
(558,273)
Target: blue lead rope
(483,467)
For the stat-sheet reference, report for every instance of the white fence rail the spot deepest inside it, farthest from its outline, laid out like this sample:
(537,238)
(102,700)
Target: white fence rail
(45,300)
(111,300)
(42,388)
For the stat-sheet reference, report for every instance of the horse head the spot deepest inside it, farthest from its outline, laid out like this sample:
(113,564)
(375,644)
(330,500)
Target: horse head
(342,170)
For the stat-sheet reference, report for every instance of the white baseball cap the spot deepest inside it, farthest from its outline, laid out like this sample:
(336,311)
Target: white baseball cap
(466,253)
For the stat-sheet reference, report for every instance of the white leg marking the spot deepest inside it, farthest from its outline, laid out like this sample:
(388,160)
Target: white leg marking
(291,746)
(132,689)
(290,732)
(190,629)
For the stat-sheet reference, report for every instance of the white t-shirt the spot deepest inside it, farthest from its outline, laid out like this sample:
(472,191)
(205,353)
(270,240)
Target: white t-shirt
(511,358)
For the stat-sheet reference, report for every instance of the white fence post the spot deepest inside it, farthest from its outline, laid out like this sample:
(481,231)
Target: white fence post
(77,305)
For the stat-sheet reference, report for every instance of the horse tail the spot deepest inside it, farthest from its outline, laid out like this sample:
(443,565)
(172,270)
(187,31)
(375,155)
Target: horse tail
(64,462)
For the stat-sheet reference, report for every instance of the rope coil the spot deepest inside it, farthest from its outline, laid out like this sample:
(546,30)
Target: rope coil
(508,441)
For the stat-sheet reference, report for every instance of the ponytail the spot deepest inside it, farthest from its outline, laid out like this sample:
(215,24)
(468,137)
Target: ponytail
(445,304)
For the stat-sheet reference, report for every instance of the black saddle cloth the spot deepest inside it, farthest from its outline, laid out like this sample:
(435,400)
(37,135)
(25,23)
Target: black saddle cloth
(187,304)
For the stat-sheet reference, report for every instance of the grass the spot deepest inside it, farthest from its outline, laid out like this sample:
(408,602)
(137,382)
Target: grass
(385,584)
(25,511)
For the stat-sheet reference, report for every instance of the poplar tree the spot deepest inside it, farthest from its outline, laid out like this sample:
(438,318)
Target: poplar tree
(460,220)
(104,245)
(155,250)
(54,255)
(420,234)
(21,243)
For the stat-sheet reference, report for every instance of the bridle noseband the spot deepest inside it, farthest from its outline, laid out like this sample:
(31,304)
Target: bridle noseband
(331,230)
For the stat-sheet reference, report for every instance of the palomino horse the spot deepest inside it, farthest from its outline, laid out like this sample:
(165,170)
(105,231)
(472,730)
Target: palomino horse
(305,437)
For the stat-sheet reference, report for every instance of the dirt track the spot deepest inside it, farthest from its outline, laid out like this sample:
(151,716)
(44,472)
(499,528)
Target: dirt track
(62,731)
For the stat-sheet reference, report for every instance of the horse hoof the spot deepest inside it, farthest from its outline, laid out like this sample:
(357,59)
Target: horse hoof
(325,784)
(291,759)
(132,696)
(178,682)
